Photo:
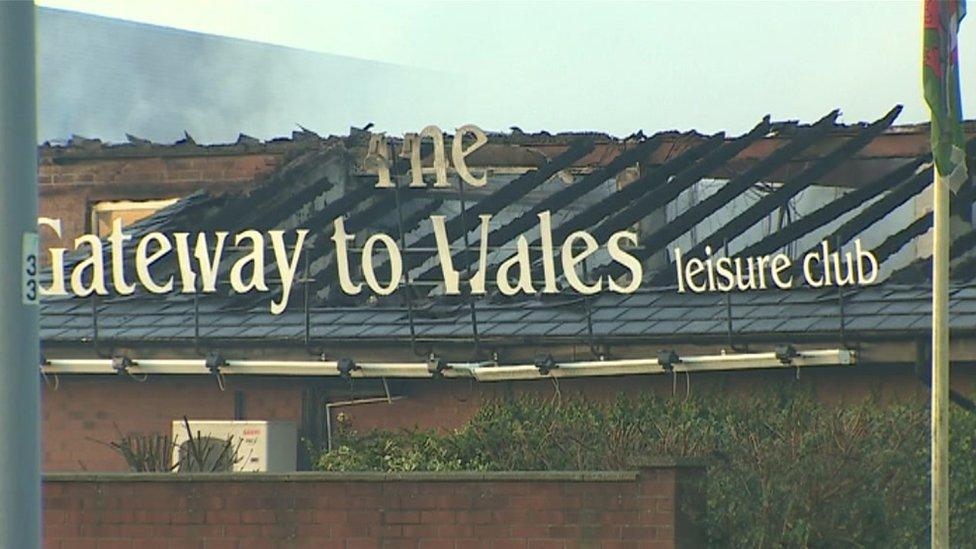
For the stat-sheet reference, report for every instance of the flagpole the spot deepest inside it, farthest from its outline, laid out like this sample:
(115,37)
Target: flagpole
(940,363)
(940,81)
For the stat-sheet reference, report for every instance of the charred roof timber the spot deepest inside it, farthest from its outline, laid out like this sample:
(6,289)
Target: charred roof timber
(666,188)
(633,196)
(833,210)
(694,215)
(560,199)
(781,196)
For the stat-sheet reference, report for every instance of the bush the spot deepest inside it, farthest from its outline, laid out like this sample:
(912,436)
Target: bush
(786,471)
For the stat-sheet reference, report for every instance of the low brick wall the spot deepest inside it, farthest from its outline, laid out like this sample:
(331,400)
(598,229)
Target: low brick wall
(648,508)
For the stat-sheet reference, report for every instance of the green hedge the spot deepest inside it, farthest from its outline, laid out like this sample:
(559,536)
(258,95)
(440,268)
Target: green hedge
(786,471)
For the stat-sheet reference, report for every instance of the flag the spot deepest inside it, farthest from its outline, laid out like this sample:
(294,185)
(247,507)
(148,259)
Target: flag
(940,78)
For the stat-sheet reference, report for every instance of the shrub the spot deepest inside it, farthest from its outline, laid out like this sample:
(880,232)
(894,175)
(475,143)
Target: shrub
(786,471)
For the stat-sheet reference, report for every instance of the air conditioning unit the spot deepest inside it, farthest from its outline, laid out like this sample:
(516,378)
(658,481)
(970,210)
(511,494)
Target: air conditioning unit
(263,446)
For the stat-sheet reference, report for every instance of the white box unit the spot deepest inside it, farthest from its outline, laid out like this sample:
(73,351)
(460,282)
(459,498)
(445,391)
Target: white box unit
(266,446)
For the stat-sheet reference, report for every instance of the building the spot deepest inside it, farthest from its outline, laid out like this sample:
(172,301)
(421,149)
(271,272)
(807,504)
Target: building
(420,356)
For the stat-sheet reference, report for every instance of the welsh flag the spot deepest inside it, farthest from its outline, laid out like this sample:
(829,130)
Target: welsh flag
(940,76)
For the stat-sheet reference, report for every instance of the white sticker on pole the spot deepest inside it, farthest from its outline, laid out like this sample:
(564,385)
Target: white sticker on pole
(29,268)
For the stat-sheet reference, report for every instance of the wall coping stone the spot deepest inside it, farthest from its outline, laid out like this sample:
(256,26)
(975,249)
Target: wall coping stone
(339,476)
(669,462)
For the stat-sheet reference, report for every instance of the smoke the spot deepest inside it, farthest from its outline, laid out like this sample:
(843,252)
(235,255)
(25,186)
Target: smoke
(101,77)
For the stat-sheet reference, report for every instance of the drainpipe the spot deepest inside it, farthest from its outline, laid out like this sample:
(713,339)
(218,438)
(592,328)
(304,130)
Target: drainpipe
(20,486)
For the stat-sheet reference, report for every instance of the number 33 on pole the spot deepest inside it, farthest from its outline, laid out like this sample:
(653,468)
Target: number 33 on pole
(29,269)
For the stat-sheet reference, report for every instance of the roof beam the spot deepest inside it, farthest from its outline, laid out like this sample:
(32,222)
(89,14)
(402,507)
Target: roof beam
(557,200)
(705,153)
(662,237)
(877,210)
(781,196)
(897,241)
(833,210)
(463,223)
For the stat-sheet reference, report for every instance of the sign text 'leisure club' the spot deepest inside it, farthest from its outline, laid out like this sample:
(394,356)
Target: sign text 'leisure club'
(200,255)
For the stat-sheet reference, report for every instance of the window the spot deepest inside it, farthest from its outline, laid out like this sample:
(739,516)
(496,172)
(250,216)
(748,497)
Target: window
(104,214)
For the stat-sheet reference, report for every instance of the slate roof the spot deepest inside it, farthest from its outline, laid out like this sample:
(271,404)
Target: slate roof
(658,314)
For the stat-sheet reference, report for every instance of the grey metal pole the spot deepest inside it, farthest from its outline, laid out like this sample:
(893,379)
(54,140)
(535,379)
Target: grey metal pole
(20,486)
(940,364)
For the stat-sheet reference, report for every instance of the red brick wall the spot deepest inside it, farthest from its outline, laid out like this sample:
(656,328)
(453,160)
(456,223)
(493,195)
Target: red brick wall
(86,409)
(83,408)
(450,403)
(644,510)
(68,185)
(200,169)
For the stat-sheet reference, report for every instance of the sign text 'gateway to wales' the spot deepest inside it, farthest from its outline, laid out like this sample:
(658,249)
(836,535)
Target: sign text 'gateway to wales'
(199,256)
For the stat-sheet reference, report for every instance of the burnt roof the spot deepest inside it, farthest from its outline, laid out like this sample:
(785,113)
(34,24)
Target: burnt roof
(323,181)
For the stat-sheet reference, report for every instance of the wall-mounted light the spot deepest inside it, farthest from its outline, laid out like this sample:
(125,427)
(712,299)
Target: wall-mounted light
(78,366)
(545,363)
(121,364)
(542,367)
(311,368)
(786,353)
(346,366)
(393,369)
(214,362)
(436,365)
(667,359)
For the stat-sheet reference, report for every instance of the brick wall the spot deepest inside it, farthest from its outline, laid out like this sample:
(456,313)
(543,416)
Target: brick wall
(85,409)
(449,404)
(652,508)
(78,410)
(68,185)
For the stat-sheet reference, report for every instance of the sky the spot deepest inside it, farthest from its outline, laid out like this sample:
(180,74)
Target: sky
(606,66)
(105,78)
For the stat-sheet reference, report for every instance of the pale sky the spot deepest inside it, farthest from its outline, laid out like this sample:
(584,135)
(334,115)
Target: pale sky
(606,66)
